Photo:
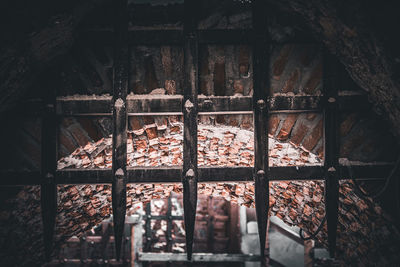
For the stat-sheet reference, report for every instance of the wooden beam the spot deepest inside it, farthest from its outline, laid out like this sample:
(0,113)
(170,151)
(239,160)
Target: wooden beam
(261,85)
(331,164)
(119,137)
(189,108)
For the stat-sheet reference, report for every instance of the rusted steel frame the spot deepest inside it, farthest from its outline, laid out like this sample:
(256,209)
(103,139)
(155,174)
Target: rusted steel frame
(48,183)
(119,137)
(190,109)
(331,164)
(261,85)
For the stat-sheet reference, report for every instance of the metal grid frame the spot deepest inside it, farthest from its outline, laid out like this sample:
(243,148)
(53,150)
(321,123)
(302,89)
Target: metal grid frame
(261,104)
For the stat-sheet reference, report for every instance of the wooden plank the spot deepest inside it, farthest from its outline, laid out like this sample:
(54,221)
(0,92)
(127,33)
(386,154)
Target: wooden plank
(48,190)
(196,257)
(331,164)
(261,85)
(119,137)
(189,108)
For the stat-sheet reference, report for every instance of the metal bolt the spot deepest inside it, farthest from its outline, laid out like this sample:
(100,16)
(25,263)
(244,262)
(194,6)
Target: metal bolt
(261,104)
(49,176)
(331,100)
(188,105)
(331,169)
(119,103)
(127,238)
(260,172)
(119,172)
(190,173)
(149,216)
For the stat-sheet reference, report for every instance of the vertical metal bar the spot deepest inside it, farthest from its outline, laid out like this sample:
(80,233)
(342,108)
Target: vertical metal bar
(84,249)
(189,172)
(331,127)
(261,85)
(120,88)
(48,191)
(148,226)
(169,226)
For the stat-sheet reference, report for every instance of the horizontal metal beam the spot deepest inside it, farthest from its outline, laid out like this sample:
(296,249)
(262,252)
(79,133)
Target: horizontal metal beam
(175,37)
(364,171)
(196,257)
(164,104)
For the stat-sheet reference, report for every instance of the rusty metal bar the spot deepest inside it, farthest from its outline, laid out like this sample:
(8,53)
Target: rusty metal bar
(48,184)
(119,137)
(189,108)
(331,128)
(261,85)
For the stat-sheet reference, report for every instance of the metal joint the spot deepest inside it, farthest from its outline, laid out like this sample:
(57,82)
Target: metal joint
(188,106)
(261,104)
(207,104)
(190,174)
(332,169)
(119,103)
(331,100)
(49,176)
(260,173)
(119,173)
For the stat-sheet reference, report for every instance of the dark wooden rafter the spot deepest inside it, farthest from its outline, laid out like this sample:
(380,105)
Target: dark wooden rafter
(261,85)
(189,108)
(119,137)
(48,183)
(331,164)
